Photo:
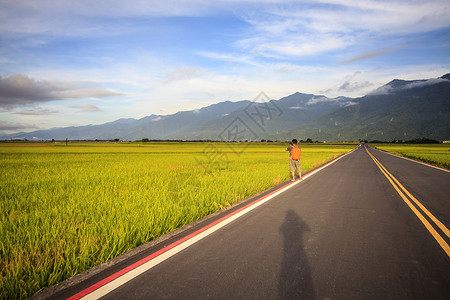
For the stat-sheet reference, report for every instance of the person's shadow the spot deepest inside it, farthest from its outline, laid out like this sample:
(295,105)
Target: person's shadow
(295,280)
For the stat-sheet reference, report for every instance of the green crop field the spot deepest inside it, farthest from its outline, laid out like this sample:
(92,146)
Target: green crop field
(65,209)
(434,154)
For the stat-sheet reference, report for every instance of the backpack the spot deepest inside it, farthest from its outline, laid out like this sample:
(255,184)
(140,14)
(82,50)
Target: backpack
(296,152)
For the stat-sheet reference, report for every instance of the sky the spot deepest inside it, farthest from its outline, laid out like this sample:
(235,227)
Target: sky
(71,63)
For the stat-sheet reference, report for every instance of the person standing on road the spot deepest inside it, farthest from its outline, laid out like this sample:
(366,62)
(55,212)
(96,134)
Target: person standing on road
(294,159)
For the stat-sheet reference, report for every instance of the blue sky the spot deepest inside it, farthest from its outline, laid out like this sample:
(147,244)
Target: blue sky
(69,63)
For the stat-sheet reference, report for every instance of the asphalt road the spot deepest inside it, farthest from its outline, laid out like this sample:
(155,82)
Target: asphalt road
(343,233)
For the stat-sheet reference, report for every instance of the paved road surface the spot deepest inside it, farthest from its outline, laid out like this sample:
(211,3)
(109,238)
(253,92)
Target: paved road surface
(343,233)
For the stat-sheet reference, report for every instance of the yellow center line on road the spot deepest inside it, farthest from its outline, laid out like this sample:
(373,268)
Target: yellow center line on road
(426,211)
(394,182)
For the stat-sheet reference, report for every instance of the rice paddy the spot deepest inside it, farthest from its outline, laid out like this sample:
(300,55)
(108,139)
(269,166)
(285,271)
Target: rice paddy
(434,154)
(65,209)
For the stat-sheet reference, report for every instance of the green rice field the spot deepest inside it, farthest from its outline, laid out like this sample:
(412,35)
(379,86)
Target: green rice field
(434,154)
(65,209)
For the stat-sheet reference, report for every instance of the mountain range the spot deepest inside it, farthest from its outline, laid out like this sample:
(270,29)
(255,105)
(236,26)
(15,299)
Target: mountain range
(399,110)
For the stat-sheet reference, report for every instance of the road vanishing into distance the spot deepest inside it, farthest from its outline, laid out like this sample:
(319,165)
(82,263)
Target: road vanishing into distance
(370,225)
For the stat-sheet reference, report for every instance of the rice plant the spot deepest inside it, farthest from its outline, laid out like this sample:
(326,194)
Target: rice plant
(65,209)
(434,154)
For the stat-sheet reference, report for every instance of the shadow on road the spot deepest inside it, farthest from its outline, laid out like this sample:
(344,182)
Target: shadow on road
(295,280)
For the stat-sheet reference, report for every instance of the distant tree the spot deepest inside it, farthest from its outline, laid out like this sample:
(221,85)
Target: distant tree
(308,140)
(145,140)
(423,141)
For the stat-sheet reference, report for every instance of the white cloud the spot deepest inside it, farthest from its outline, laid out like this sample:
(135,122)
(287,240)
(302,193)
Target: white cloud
(86,108)
(299,45)
(37,112)
(384,17)
(19,90)
(333,21)
(185,73)
(349,86)
(383,90)
(230,58)
(388,89)
(315,100)
(278,51)
(424,83)
(13,126)
(309,28)
(370,54)
(55,17)
(354,85)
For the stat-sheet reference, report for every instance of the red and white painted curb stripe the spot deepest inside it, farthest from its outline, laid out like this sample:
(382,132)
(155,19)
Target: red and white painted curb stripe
(114,281)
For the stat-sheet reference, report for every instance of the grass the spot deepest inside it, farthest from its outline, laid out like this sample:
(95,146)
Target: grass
(65,209)
(434,154)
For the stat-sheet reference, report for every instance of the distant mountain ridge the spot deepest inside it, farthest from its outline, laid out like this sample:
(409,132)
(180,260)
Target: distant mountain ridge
(400,109)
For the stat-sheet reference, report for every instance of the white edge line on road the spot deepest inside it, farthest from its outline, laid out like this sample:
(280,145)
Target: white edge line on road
(109,287)
(416,161)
